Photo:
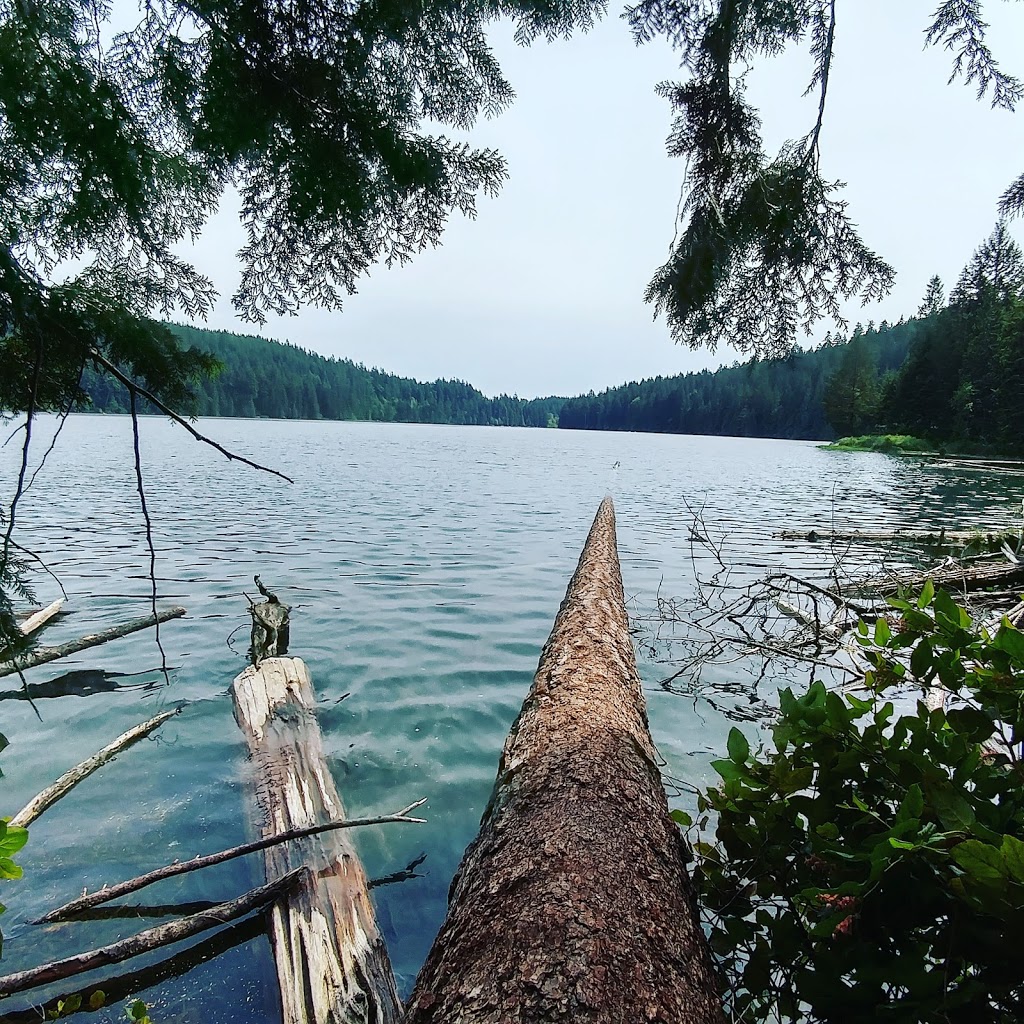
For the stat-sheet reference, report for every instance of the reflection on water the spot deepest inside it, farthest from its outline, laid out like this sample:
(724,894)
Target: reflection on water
(424,566)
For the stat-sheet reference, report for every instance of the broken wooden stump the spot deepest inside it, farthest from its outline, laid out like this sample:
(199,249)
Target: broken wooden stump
(573,903)
(332,964)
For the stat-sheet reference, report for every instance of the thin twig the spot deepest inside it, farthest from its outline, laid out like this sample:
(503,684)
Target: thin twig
(149,535)
(137,389)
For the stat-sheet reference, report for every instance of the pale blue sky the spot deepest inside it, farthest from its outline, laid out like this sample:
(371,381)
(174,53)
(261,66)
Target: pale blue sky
(542,293)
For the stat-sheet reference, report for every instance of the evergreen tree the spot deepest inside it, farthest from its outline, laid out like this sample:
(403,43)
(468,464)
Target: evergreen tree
(934,298)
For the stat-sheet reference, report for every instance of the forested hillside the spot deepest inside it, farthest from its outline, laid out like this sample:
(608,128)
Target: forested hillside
(760,398)
(280,381)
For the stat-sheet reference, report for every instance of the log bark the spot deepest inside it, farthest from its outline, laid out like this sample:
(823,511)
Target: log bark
(42,655)
(113,892)
(574,903)
(67,782)
(332,963)
(152,938)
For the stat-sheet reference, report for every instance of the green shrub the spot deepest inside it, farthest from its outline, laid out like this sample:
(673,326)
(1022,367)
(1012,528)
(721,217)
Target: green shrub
(870,867)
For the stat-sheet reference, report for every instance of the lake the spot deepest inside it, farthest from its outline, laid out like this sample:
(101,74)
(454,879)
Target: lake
(424,565)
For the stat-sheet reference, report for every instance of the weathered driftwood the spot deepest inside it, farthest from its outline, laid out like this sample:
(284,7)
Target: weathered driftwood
(111,892)
(49,796)
(34,622)
(972,576)
(153,938)
(332,964)
(42,655)
(936,538)
(573,903)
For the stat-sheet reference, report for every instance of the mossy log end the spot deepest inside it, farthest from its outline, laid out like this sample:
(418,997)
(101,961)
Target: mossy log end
(573,903)
(332,963)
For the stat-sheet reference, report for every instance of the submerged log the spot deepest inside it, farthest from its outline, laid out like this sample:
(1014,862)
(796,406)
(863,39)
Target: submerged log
(332,963)
(42,655)
(574,903)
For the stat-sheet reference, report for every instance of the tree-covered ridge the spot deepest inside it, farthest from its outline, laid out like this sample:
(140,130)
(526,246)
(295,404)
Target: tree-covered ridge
(281,381)
(760,398)
(962,378)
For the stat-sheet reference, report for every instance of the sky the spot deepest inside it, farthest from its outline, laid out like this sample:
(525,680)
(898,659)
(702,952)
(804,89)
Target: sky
(543,292)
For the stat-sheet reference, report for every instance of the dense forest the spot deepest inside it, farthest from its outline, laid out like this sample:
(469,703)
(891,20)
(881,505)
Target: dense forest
(759,398)
(954,373)
(281,381)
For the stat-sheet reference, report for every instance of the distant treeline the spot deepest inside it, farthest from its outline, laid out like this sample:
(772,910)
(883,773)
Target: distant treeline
(760,398)
(281,381)
(954,373)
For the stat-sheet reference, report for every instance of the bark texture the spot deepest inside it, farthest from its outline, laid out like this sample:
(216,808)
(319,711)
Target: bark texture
(573,903)
(332,963)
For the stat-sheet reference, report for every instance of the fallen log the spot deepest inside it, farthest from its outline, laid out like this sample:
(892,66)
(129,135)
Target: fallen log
(935,538)
(332,964)
(42,655)
(153,938)
(977,576)
(574,903)
(67,782)
(112,892)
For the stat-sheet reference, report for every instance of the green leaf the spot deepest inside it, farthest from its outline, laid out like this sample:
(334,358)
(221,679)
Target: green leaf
(982,862)
(97,999)
(922,659)
(1013,857)
(729,770)
(12,840)
(829,830)
(913,803)
(927,593)
(882,632)
(8,869)
(1011,641)
(953,808)
(137,1011)
(946,608)
(681,818)
(739,748)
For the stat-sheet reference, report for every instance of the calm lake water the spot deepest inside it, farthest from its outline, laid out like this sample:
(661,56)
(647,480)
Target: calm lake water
(424,565)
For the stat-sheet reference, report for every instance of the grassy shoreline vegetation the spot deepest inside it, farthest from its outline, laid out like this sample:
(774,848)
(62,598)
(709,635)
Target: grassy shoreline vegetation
(896,444)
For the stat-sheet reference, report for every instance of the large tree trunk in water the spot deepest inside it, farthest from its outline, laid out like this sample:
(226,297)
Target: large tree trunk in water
(573,903)
(332,963)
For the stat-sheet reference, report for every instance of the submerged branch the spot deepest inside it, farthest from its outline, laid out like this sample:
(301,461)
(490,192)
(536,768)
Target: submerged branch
(180,867)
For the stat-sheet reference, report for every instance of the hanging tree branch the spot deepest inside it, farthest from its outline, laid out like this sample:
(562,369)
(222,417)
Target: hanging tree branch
(137,389)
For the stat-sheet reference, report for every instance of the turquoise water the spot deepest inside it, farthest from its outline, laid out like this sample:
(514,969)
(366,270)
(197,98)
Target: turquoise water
(424,565)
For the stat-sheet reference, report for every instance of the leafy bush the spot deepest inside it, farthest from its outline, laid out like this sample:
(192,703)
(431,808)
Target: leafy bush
(870,867)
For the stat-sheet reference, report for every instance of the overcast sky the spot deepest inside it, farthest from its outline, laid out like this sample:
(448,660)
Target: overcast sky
(543,292)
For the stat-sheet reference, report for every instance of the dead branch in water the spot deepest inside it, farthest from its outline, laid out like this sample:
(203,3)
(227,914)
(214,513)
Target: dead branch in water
(43,655)
(153,938)
(67,782)
(180,867)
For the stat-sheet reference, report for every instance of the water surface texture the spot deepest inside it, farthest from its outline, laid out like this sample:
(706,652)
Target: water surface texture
(424,565)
